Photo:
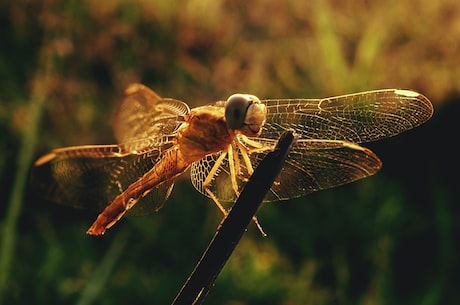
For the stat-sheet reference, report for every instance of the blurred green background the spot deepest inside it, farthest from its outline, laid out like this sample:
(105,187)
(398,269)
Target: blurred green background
(389,239)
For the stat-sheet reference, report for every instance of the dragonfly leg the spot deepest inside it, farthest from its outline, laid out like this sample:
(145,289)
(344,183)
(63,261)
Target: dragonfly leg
(208,180)
(251,146)
(225,212)
(255,147)
(233,169)
(244,153)
(216,201)
(211,175)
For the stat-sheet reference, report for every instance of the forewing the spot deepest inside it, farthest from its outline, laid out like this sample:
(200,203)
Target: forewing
(142,114)
(92,176)
(357,118)
(311,165)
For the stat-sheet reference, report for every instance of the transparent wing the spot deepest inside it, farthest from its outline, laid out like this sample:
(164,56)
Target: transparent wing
(92,176)
(314,165)
(143,114)
(311,165)
(357,118)
(325,154)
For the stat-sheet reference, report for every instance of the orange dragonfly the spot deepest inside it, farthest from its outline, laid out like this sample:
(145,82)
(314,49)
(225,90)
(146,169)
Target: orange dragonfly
(160,138)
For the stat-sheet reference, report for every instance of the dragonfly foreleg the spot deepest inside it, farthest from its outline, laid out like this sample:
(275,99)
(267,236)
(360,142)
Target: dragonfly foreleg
(247,147)
(252,146)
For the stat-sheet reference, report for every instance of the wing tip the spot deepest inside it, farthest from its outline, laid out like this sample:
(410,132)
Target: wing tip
(45,159)
(407,93)
(133,88)
(427,104)
(373,161)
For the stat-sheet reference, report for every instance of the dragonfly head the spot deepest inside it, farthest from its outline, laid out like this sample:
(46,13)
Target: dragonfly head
(245,113)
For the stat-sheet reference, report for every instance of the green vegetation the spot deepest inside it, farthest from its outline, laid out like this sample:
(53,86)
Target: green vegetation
(389,239)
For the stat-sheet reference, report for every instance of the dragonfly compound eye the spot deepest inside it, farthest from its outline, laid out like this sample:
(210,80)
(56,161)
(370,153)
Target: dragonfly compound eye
(236,108)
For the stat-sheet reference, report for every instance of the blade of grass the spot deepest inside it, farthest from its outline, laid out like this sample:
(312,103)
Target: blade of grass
(102,273)
(26,154)
(232,228)
(40,86)
(334,65)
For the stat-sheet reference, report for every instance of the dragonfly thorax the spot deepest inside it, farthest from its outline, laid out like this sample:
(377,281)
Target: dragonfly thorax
(205,131)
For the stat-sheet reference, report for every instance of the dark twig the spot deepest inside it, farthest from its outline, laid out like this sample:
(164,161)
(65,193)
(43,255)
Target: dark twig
(232,228)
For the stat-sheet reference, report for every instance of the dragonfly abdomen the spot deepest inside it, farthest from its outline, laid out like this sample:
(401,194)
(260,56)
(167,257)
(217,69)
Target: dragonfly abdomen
(167,168)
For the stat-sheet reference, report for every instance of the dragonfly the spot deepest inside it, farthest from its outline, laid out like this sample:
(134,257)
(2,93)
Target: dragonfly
(221,144)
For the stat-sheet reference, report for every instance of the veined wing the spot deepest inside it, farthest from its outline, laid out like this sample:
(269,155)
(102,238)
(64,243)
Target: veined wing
(143,114)
(92,176)
(311,165)
(357,118)
(325,155)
